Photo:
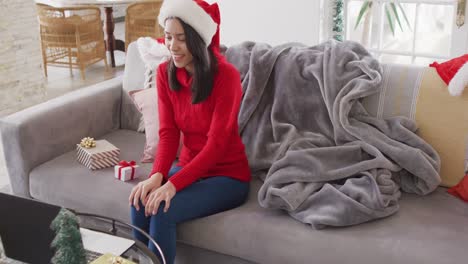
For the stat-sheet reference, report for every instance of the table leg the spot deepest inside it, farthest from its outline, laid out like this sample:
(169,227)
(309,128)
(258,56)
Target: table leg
(119,45)
(110,33)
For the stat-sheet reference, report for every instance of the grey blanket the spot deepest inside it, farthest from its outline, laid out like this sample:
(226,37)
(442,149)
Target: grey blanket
(321,156)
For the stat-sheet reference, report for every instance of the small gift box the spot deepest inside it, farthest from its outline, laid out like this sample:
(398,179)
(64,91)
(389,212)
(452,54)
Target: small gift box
(103,155)
(125,171)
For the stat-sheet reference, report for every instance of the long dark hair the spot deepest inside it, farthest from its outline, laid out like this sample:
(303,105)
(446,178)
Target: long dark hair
(205,65)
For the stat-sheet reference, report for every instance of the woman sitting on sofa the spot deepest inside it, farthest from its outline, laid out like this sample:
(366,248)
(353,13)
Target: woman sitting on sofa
(199,94)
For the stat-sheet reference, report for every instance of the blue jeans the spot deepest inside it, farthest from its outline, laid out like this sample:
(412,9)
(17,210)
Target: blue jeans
(202,198)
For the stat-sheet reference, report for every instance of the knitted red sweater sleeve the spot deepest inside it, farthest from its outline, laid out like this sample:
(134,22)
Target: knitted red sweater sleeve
(169,133)
(227,92)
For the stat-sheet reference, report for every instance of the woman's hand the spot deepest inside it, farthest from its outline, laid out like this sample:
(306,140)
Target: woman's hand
(165,193)
(142,189)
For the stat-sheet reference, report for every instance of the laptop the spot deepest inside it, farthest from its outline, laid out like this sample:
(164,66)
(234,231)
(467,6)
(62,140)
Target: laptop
(25,228)
(26,234)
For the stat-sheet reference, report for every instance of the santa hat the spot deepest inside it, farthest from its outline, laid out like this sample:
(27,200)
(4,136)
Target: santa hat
(152,52)
(461,189)
(454,73)
(203,17)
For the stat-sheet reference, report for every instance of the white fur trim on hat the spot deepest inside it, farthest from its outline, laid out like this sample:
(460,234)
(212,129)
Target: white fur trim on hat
(459,81)
(191,13)
(152,52)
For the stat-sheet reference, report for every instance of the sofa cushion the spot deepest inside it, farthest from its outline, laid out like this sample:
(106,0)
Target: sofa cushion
(64,181)
(443,123)
(146,102)
(427,229)
(420,94)
(133,79)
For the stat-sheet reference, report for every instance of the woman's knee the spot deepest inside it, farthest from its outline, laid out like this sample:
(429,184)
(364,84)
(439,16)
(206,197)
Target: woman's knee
(135,212)
(161,216)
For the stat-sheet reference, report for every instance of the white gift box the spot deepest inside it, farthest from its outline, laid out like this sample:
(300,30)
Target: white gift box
(125,173)
(104,155)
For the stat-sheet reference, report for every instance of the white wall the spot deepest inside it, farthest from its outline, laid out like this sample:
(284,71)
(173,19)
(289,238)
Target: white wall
(271,21)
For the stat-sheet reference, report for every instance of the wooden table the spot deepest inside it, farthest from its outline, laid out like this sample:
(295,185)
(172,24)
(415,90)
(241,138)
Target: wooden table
(111,44)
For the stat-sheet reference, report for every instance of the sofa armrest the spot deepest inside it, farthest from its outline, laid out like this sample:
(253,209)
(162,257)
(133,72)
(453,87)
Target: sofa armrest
(42,132)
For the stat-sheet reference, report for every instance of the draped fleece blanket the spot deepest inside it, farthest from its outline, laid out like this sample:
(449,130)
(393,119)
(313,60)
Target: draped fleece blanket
(322,157)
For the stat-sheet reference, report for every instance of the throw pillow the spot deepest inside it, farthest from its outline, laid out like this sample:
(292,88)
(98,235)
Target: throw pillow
(146,101)
(443,123)
(420,94)
(152,53)
(133,79)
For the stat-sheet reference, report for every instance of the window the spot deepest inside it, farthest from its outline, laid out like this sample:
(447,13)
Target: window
(426,31)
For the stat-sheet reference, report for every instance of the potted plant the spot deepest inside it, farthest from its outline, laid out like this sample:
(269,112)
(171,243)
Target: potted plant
(394,12)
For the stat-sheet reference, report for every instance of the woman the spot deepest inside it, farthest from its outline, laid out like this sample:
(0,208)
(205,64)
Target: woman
(199,94)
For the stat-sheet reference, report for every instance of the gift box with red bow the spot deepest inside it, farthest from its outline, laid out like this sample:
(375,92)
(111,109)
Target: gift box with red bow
(125,170)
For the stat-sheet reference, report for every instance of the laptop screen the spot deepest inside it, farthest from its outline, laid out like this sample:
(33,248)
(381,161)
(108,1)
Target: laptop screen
(25,228)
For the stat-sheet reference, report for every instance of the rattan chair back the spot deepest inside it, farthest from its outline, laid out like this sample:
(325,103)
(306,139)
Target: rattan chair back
(71,37)
(141,20)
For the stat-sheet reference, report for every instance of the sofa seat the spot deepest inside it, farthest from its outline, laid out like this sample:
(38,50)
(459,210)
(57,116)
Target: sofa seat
(426,229)
(66,182)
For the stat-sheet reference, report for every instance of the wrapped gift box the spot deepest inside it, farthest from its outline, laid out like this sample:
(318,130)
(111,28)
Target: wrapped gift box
(104,155)
(125,171)
(109,258)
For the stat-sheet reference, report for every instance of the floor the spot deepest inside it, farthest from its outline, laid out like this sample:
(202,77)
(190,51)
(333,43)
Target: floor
(60,81)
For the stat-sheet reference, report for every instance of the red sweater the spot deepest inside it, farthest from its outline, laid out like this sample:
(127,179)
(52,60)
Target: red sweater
(211,142)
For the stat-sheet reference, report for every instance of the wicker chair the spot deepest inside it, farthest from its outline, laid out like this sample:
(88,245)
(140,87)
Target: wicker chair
(71,37)
(141,20)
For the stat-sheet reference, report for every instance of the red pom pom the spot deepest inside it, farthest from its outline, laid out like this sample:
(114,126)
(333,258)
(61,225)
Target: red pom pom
(461,189)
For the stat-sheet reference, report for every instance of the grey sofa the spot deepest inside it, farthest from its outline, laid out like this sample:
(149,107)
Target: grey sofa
(39,145)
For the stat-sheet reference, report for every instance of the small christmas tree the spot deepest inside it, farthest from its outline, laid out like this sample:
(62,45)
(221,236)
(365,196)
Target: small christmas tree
(67,242)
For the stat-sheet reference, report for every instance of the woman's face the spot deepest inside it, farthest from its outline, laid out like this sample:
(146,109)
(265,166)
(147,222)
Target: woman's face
(175,42)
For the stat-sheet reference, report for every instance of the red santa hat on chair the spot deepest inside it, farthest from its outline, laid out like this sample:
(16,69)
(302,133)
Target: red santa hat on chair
(203,17)
(454,73)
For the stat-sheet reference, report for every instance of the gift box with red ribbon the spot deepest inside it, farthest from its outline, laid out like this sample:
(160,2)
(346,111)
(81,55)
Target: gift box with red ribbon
(125,170)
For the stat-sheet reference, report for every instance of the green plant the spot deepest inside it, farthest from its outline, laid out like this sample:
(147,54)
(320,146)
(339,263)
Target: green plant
(393,11)
(67,242)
